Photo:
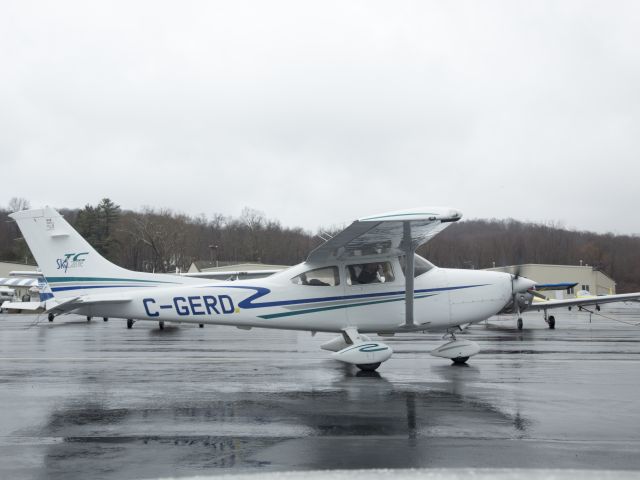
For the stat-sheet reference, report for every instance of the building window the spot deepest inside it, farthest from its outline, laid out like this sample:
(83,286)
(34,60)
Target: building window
(585,288)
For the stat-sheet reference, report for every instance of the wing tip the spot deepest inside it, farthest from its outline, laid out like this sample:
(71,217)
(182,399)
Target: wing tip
(443,214)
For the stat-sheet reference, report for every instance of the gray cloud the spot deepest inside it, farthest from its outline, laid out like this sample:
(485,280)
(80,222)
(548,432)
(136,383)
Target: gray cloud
(321,112)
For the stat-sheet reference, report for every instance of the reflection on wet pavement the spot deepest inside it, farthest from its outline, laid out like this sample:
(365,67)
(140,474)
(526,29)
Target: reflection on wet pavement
(95,399)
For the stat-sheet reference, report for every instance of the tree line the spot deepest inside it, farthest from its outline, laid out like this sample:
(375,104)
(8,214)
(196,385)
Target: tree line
(160,240)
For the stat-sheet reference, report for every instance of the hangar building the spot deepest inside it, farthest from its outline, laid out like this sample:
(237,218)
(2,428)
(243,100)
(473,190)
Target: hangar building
(587,278)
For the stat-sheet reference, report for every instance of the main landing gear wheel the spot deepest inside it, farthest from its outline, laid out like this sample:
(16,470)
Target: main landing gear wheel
(459,360)
(105,319)
(161,325)
(552,322)
(368,367)
(201,325)
(520,324)
(129,323)
(88,318)
(51,316)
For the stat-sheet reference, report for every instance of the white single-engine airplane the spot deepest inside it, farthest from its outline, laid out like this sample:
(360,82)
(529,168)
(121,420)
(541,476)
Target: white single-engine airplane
(366,279)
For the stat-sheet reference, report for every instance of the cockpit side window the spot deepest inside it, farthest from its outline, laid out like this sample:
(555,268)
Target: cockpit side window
(365,273)
(319,277)
(421,265)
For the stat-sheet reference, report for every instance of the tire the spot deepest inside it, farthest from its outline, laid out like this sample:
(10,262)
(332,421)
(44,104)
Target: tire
(129,323)
(161,325)
(201,325)
(51,316)
(105,319)
(368,367)
(520,324)
(460,360)
(552,322)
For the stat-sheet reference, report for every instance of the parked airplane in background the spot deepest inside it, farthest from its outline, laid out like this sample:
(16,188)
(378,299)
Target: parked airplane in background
(24,279)
(366,279)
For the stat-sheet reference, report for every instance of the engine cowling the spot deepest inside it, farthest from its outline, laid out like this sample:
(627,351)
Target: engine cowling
(364,353)
(524,301)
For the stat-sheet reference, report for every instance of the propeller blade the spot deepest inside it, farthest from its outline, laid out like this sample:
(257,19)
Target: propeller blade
(537,294)
(517,272)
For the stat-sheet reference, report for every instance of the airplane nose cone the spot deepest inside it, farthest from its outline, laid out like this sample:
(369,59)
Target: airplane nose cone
(522,284)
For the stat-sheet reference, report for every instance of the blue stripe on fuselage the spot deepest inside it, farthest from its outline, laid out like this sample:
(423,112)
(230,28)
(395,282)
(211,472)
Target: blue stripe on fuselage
(262,291)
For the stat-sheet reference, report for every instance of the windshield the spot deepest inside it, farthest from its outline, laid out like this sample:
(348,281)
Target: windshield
(421,265)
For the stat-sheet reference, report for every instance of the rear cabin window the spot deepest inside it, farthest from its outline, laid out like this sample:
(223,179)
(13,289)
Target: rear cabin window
(366,273)
(421,265)
(319,277)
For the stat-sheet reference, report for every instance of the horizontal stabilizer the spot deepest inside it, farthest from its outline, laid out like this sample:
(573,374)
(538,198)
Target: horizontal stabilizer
(72,304)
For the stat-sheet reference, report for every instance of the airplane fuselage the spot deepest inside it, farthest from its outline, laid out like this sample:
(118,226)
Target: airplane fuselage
(442,298)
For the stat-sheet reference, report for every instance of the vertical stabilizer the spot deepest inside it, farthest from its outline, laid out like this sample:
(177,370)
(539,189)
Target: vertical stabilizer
(70,265)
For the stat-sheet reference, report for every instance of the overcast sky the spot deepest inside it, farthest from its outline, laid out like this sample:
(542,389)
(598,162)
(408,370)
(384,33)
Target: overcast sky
(317,113)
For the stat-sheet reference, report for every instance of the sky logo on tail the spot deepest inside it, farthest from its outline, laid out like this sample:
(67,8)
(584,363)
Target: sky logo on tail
(71,260)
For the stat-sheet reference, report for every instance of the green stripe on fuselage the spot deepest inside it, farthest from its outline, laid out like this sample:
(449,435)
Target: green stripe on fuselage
(336,307)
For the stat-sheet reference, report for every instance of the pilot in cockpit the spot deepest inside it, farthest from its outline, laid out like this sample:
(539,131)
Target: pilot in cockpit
(369,273)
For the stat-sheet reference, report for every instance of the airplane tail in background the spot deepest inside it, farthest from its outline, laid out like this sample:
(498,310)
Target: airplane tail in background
(44,290)
(70,265)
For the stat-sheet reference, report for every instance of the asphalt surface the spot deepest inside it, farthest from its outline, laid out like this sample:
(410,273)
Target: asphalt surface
(95,400)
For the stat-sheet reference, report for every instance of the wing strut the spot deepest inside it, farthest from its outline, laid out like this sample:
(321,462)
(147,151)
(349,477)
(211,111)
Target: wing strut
(408,273)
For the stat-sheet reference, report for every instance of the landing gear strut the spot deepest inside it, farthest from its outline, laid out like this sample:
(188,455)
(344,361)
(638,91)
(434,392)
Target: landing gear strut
(551,321)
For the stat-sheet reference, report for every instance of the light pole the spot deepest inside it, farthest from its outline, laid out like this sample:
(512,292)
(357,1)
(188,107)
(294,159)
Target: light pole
(211,249)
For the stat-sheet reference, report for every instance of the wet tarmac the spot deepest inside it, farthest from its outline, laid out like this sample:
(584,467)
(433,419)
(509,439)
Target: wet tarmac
(95,400)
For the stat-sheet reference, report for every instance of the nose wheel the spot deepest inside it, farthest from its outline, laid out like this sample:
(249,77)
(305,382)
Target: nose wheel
(459,360)
(520,323)
(368,367)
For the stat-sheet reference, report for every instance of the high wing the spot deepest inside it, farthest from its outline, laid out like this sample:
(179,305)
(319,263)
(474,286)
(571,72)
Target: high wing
(583,302)
(385,234)
(540,287)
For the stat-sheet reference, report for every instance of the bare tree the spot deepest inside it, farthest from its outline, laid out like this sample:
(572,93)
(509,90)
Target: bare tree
(17,204)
